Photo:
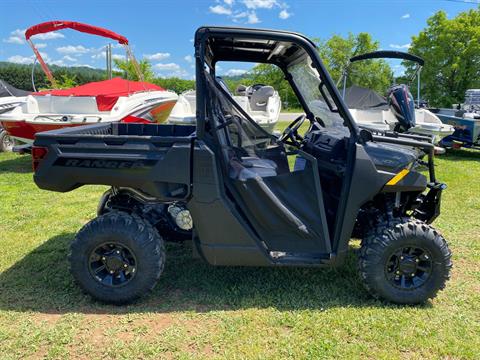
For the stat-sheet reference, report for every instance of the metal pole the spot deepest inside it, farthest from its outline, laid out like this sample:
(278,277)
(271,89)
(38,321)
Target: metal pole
(109,60)
(418,85)
(33,74)
(344,84)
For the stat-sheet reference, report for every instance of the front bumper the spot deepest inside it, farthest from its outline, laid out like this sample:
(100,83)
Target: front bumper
(428,205)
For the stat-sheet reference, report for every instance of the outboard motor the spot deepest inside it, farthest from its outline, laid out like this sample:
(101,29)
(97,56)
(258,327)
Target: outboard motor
(402,104)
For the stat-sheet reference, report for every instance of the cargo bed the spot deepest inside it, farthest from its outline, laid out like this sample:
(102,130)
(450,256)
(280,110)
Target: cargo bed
(154,158)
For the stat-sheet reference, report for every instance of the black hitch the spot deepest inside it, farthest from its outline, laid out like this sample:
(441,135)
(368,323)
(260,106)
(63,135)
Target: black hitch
(429,203)
(22,149)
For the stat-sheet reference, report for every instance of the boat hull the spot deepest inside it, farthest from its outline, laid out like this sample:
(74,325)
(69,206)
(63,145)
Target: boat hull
(25,130)
(467,131)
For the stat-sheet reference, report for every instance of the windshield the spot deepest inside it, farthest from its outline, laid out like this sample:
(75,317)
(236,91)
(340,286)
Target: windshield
(315,93)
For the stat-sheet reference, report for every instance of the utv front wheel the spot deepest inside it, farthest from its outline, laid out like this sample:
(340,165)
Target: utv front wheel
(117,257)
(405,262)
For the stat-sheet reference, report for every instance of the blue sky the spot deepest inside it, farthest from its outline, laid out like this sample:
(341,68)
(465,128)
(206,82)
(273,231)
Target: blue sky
(162,31)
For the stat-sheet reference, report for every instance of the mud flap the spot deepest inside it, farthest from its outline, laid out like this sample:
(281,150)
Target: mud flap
(429,208)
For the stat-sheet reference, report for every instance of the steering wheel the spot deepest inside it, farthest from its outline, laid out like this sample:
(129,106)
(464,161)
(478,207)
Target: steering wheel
(290,135)
(253,88)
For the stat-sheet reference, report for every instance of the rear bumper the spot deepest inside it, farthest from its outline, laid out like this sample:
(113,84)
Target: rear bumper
(428,205)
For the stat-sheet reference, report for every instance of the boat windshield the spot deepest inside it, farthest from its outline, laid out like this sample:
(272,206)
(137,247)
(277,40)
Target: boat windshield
(315,93)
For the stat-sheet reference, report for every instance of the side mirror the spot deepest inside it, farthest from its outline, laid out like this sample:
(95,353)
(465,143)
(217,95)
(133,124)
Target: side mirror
(366,135)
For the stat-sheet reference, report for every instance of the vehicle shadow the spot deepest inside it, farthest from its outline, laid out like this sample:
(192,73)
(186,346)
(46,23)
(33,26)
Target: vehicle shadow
(461,154)
(41,282)
(20,164)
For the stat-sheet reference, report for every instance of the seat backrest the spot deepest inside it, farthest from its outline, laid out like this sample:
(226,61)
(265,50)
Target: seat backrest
(241,90)
(191,97)
(63,104)
(259,98)
(74,104)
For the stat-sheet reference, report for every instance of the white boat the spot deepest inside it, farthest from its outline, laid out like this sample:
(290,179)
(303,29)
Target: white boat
(397,112)
(465,118)
(104,101)
(10,98)
(262,103)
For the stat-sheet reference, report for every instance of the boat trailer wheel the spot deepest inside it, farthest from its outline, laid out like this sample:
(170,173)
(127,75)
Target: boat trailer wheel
(408,268)
(112,264)
(7,142)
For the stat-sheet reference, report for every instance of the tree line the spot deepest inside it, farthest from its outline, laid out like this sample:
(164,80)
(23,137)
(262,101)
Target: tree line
(450,47)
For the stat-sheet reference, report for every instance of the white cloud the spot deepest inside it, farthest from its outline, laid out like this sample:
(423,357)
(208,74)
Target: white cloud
(167,67)
(284,14)
(103,55)
(260,4)
(397,46)
(100,55)
(405,16)
(245,11)
(220,10)
(16,37)
(252,18)
(239,15)
(157,56)
(73,50)
(58,63)
(235,72)
(69,58)
(41,45)
(188,58)
(18,59)
(180,73)
(49,36)
(85,65)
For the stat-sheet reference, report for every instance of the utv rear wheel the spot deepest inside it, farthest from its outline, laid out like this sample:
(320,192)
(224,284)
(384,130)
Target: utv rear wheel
(117,257)
(405,262)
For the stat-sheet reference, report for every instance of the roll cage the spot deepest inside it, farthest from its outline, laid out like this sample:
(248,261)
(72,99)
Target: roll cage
(214,44)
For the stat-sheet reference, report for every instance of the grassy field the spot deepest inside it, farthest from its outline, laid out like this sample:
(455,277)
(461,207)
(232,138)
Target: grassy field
(199,311)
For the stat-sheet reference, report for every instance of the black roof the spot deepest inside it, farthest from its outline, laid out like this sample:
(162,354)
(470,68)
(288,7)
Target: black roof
(251,45)
(357,97)
(382,54)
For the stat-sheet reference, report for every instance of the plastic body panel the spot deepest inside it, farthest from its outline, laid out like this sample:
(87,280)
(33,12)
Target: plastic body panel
(224,238)
(366,182)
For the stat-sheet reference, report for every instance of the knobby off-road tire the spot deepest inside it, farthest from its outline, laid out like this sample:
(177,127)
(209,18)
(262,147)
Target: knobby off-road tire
(117,257)
(6,142)
(404,261)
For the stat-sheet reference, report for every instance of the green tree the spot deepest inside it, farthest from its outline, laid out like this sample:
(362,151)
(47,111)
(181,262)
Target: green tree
(336,52)
(129,72)
(67,81)
(451,49)
(175,84)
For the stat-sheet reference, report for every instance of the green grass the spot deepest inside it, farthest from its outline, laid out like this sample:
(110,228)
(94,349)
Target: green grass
(293,110)
(199,311)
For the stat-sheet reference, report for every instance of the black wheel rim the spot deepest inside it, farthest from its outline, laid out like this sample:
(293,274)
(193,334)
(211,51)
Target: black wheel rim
(409,267)
(112,264)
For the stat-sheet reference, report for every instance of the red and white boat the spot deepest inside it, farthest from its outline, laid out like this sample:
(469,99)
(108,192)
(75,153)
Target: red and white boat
(103,101)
